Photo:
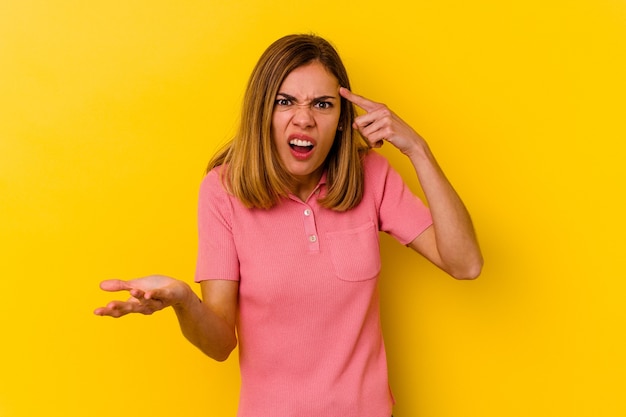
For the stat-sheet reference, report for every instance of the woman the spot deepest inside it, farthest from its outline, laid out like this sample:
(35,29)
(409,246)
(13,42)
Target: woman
(288,259)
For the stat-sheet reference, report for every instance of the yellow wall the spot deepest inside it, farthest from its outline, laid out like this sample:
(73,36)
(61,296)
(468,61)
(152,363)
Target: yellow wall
(109,111)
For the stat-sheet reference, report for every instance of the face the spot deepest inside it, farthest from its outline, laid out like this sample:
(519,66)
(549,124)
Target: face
(304,121)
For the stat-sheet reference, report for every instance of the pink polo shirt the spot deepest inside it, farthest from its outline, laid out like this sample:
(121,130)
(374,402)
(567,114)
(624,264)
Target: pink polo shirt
(310,340)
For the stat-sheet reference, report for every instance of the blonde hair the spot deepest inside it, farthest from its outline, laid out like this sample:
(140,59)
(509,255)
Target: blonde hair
(252,169)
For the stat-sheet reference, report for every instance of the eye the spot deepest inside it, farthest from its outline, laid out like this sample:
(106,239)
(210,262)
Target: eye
(323,105)
(282,102)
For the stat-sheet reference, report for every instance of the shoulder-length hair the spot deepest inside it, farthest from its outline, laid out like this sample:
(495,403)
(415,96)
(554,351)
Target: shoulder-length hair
(251,168)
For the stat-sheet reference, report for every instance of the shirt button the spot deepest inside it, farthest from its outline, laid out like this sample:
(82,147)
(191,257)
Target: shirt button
(313,238)
(307,212)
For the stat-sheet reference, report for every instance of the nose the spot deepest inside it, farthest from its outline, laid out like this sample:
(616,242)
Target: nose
(303,116)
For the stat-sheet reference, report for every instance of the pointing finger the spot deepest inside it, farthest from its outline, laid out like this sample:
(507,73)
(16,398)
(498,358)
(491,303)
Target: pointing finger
(362,102)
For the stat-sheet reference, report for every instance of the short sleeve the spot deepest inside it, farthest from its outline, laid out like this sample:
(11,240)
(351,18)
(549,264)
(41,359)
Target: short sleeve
(217,253)
(401,213)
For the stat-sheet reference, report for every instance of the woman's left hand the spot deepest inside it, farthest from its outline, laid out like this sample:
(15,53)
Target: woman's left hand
(451,243)
(380,124)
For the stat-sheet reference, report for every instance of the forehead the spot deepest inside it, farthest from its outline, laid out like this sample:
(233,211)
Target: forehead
(310,80)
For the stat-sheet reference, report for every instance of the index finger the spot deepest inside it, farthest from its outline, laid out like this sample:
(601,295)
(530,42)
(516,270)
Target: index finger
(362,102)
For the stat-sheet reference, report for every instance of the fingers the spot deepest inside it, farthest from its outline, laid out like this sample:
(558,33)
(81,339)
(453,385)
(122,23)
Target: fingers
(113,285)
(372,131)
(362,102)
(148,295)
(118,309)
(115,309)
(138,303)
(376,127)
(374,123)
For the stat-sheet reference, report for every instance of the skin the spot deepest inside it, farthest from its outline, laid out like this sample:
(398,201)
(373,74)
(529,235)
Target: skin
(450,243)
(307,109)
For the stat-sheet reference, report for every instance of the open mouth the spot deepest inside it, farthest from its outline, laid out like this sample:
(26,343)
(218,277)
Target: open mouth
(301,146)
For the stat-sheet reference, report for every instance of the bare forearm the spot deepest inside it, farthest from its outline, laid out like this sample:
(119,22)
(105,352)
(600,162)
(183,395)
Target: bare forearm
(454,232)
(453,247)
(204,328)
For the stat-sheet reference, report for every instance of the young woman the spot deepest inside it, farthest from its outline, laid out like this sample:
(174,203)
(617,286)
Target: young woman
(288,258)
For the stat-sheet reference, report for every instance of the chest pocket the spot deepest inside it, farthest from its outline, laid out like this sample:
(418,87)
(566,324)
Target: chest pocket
(355,253)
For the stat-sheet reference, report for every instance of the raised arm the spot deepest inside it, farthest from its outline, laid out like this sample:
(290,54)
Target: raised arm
(451,242)
(208,323)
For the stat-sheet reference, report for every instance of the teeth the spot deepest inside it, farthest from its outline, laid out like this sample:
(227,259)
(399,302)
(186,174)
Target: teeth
(298,142)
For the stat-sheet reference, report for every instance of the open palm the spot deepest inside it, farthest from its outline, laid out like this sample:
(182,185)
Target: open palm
(147,295)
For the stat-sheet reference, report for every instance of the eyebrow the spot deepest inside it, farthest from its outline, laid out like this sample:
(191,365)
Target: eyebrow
(315,99)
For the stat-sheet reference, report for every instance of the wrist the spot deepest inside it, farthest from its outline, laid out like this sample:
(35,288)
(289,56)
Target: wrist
(418,152)
(186,298)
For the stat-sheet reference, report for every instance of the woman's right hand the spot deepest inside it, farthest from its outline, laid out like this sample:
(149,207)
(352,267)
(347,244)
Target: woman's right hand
(147,295)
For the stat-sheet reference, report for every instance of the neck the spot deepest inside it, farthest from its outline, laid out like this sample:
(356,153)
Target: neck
(304,186)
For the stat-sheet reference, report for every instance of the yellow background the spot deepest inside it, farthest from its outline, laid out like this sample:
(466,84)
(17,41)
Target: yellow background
(109,111)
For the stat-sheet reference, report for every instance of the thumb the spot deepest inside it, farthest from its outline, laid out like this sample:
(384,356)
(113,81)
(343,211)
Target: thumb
(114,285)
